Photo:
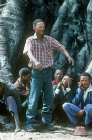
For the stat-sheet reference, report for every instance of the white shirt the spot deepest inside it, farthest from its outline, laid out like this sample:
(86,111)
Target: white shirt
(86,92)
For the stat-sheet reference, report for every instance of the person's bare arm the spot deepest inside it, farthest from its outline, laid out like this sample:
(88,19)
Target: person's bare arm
(59,85)
(70,59)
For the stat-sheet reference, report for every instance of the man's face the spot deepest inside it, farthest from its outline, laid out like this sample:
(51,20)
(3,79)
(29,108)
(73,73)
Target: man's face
(39,28)
(85,82)
(58,75)
(1,90)
(26,78)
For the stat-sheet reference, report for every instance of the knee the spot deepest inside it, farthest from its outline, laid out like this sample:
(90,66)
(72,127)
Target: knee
(10,98)
(89,109)
(65,106)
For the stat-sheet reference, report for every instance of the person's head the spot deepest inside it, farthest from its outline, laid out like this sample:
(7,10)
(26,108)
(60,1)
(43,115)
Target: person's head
(67,81)
(58,75)
(24,74)
(2,87)
(39,26)
(85,80)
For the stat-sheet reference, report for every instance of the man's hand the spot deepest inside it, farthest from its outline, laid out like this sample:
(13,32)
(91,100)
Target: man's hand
(59,85)
(81,86)
(38,66)
(71,60)
(69,82)
(80,113)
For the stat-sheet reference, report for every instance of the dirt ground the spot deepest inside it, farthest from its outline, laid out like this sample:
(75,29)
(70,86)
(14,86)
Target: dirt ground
(61,133)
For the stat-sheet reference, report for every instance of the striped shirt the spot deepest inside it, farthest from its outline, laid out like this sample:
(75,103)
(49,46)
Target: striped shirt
(42,50)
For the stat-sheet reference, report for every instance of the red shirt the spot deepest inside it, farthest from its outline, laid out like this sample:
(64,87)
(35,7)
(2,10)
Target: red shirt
(42,49)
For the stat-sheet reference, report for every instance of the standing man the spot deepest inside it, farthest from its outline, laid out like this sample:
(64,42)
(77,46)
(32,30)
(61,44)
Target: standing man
(82,103)
(39,49)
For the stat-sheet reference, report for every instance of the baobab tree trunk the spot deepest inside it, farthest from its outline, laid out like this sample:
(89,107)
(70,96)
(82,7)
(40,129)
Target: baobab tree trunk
(69,21)
(12,29)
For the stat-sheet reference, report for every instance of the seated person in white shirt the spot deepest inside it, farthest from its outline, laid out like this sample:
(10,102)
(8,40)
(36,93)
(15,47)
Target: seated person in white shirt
(62,94)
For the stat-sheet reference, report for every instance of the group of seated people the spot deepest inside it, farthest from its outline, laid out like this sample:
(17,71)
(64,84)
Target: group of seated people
(70,103)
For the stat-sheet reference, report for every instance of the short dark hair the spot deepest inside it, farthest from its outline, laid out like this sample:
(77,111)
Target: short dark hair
(86,74)
(37,21)
(60,69)
(24,71)
(70,75)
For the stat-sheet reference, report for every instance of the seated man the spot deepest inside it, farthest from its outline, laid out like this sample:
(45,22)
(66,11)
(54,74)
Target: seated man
(23,83)
(62,93)
(10,97)
(81,107)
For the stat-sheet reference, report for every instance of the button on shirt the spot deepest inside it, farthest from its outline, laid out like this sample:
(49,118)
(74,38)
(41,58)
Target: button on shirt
(42,50)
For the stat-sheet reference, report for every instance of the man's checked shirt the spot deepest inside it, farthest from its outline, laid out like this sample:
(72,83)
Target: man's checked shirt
(42,50)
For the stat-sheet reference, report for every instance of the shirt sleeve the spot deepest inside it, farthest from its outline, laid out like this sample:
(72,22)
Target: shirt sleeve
(78,98)
(57,91)
(28,46)
(56,44)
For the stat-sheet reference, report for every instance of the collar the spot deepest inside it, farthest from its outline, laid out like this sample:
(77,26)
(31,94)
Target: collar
(89,89)
(35,36)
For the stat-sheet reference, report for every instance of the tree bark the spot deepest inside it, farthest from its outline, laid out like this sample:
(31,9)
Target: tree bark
(69,21)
